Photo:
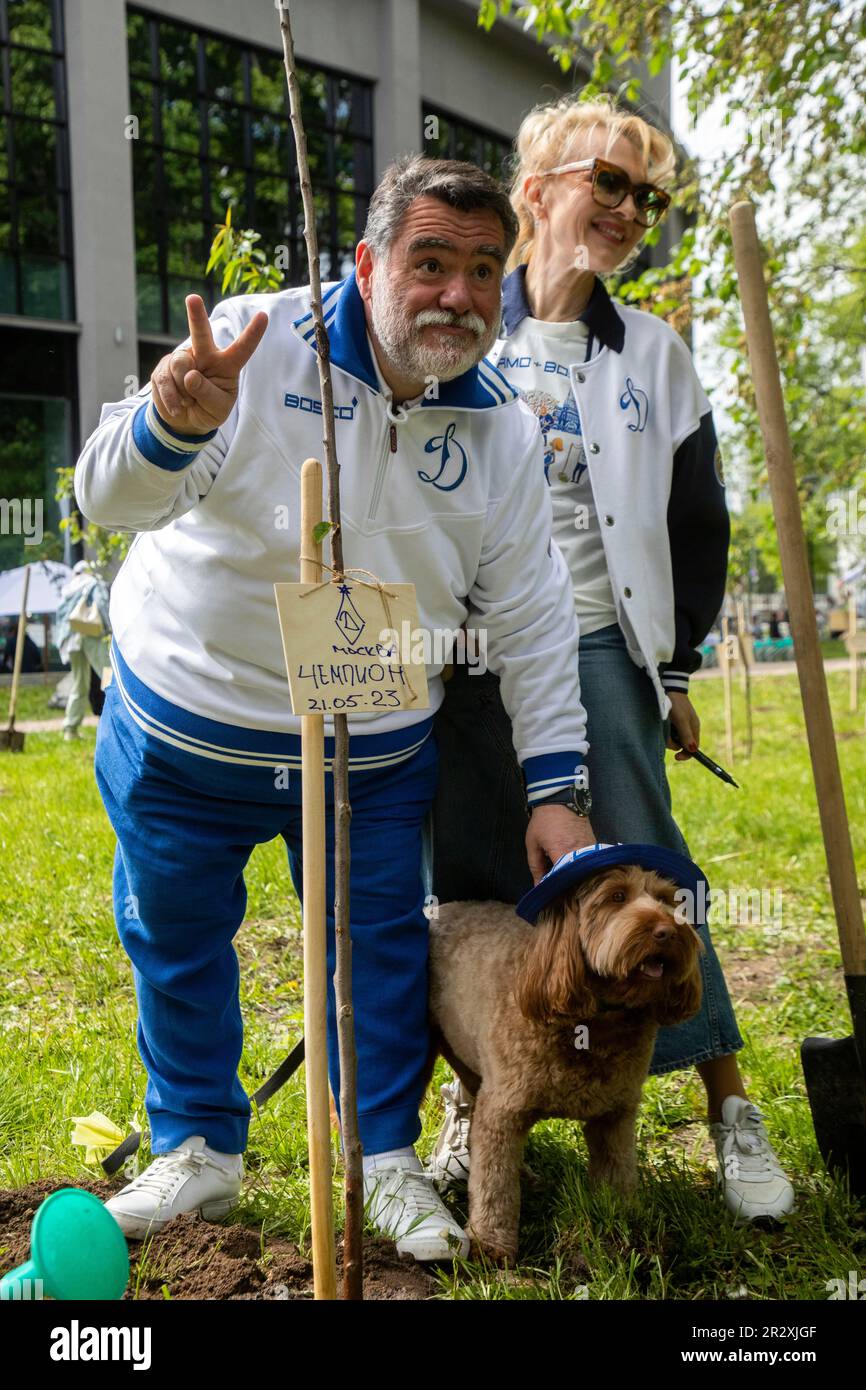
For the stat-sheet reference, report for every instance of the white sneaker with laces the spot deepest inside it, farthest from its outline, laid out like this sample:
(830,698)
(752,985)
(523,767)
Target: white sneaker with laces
(449,1162)
(754,1182)
(403,1204)
(184,1180)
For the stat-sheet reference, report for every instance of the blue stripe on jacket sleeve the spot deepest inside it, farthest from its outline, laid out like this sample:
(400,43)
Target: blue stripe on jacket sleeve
(549,773)
(160,444)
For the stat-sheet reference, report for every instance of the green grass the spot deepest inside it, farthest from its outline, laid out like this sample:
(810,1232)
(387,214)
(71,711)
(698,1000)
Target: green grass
(67,1015)
(32,703)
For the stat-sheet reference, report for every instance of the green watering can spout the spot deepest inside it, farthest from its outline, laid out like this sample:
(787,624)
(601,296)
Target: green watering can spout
(77,1250)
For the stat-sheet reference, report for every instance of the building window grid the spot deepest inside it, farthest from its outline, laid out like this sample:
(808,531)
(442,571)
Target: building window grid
(458,138)
(29,299)
(210,101)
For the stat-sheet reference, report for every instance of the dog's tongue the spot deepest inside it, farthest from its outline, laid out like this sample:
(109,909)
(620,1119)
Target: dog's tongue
(654,968)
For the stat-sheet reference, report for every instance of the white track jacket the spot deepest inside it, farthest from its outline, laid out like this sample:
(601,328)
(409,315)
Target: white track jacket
(447,493)
(655,471)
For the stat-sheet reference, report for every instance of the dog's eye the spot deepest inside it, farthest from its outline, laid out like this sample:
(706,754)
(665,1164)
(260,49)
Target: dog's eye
(618,896)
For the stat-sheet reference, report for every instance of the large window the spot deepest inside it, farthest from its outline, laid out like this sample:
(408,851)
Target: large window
(445,136)
(35,234)
(214,131)
(38,429)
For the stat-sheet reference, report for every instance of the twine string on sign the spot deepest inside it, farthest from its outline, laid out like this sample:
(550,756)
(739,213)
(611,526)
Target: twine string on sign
(337,576)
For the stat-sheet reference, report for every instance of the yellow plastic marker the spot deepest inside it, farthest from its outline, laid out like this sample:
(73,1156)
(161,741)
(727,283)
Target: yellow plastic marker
(97,1134)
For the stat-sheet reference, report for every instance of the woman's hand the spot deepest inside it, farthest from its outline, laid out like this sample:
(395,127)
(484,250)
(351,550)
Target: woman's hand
(685,726)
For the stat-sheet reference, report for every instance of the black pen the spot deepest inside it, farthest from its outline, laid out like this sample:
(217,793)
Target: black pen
(713,767)
(705,761)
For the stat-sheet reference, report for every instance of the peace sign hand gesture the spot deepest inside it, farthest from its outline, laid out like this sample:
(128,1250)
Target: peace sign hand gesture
(195,387)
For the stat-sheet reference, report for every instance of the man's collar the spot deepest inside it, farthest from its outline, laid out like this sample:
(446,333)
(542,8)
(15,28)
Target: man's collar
(600,316)
(481,388)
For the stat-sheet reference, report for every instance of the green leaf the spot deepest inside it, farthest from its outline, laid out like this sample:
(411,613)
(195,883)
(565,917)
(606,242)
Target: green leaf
(603,69)
(320,531)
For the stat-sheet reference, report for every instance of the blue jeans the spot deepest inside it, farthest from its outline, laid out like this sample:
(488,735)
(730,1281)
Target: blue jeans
(479,816)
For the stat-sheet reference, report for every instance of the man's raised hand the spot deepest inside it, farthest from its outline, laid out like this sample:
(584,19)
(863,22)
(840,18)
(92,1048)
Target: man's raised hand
(195,387)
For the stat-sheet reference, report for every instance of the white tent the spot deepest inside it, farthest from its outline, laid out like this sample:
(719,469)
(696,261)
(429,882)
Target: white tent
(47,578)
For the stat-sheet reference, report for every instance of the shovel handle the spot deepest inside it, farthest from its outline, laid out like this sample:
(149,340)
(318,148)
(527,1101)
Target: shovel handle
(798,588)
(19,649)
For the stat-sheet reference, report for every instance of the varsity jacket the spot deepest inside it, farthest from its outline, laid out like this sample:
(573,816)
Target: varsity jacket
(446,492)
(655,471)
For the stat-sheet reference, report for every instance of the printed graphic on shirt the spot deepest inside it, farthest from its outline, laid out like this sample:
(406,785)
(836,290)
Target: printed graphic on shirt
(636,402)
(293,401)
(539,365)
(558,419)
(451,458)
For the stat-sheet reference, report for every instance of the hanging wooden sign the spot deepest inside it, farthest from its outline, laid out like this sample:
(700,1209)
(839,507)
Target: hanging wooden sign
(342,648)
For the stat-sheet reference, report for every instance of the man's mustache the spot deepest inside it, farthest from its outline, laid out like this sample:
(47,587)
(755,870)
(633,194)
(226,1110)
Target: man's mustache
(441,316)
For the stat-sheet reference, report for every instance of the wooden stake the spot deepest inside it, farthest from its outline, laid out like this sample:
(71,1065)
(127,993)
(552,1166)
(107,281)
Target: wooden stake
(353,1257)
(798,588)
(726,682)
(741,622)
(852,649)
(744,641)
(315,933)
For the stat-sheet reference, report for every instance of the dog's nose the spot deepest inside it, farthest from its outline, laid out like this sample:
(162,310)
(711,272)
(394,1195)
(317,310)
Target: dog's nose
(663,931)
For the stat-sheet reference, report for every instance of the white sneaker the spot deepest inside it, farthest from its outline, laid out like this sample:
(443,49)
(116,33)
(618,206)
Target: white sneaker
(449,1162)
(187,1179)
(754,1182)
(71,736)
(402,1203)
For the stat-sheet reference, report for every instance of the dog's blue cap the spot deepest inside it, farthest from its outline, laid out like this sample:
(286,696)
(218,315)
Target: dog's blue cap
(579,864)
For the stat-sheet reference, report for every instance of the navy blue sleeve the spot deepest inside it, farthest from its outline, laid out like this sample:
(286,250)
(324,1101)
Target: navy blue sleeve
(699,531)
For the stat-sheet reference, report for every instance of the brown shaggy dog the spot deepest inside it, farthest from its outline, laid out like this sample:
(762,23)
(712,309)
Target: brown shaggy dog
(506,999)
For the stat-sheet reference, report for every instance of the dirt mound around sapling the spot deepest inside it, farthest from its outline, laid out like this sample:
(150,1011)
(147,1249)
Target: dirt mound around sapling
(194,1259)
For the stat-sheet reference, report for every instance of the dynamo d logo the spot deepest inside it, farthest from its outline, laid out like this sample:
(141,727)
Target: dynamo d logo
(452,461)
(633,398)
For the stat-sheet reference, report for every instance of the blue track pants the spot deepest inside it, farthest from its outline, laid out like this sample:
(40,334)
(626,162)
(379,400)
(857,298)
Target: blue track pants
(186,826)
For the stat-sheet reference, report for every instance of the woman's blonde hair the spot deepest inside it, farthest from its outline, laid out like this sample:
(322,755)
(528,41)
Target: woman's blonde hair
(556,132)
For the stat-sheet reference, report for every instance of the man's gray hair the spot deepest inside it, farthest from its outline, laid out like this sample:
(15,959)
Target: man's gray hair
(453,181)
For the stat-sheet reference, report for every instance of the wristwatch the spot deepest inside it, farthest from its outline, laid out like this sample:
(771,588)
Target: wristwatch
(577,797)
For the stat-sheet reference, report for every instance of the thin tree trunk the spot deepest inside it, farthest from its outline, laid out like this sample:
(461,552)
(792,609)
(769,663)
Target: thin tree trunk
(353,1259)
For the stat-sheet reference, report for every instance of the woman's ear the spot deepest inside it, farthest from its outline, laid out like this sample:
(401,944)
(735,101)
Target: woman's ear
(533,193)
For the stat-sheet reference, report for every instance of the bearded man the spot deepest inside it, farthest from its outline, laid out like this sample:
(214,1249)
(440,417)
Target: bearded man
(442,485)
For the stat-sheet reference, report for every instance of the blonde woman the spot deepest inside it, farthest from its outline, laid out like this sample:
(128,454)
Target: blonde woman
(637,493)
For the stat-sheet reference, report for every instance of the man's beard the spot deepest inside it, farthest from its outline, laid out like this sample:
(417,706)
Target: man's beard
(398,333)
